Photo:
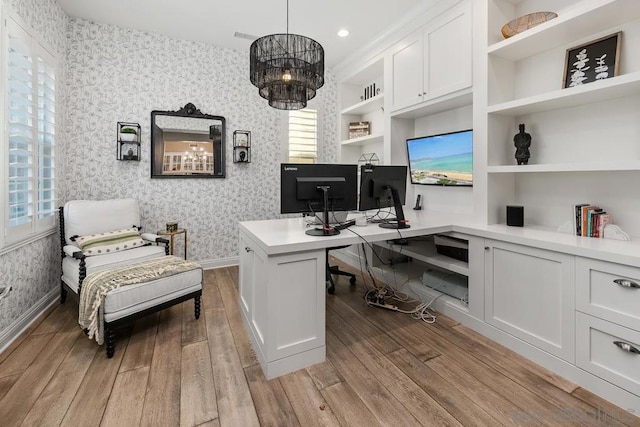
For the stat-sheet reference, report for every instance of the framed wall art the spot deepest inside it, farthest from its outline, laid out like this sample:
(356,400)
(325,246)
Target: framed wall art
(596,60)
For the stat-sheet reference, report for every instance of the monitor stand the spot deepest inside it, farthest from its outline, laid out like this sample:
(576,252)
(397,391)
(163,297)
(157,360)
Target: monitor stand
(326,229)
(400,221)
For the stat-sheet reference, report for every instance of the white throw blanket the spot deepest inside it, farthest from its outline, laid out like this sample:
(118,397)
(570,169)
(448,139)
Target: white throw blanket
(96,286)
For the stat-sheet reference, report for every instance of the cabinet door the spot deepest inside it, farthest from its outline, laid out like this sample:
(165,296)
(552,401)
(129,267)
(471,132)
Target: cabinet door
(407,72)
(529,293)
(447,54)
(246,274)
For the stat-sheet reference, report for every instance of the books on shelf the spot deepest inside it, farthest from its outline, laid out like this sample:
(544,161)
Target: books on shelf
(590,220)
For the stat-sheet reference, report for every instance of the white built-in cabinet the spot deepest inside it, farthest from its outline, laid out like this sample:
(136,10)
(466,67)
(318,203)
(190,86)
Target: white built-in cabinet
(434,61)
(529,293)
(608,321)
(355,108)
(405,264)
(429,71)
(585,140)
(284,316)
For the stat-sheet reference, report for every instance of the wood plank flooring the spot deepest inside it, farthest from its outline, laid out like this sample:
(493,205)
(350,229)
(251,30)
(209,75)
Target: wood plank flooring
(383,368)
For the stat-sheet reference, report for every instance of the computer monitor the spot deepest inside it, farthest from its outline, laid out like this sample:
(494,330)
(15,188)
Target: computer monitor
(444,159)
(306,187)
(383,187)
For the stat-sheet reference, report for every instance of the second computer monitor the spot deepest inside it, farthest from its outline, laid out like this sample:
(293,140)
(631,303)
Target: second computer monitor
(376,183)
(301,185)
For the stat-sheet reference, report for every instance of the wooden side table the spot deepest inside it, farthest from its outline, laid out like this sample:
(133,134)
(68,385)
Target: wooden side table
(171,235)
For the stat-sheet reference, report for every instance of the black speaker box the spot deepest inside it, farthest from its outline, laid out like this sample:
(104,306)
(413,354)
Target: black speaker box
(515,216)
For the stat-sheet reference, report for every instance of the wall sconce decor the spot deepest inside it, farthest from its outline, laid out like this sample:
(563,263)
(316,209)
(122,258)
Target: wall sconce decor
(128,136)
(241,146)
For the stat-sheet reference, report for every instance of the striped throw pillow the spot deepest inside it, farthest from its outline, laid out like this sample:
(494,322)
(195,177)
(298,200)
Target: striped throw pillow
(107,243)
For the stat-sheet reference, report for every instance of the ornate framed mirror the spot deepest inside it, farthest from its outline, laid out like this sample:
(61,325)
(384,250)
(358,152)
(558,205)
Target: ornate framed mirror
(187,143)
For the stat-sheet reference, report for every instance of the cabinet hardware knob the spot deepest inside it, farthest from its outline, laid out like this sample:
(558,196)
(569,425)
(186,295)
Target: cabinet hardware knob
(626,283)
(424,93)
(626,347)
(486,248)
(248,249)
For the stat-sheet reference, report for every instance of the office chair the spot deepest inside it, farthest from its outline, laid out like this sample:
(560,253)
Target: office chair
(334,269)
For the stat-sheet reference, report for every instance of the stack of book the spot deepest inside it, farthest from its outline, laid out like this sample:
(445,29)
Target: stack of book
(590,220)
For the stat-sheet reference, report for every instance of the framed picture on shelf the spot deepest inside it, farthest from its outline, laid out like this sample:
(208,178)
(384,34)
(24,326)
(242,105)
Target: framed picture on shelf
(596,60)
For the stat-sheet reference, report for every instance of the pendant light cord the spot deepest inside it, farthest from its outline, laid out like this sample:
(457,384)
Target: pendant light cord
(287,16)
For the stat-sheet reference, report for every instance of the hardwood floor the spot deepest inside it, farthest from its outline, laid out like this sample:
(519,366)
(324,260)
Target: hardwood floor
(382,368)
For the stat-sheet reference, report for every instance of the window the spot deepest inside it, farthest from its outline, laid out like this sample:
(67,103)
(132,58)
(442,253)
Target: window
(29,140)
(303,136)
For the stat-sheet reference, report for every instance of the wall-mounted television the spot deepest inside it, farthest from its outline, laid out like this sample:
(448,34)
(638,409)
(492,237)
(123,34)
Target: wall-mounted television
(445,159)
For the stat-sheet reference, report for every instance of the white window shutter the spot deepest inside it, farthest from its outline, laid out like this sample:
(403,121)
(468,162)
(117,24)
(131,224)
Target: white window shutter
(30,136)
(303,136)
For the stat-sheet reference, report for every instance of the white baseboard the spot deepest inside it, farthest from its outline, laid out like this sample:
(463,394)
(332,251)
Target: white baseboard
(28,317)
(210,264)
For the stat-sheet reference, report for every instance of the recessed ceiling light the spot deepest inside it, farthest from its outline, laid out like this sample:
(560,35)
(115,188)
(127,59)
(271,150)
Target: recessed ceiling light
(343,33)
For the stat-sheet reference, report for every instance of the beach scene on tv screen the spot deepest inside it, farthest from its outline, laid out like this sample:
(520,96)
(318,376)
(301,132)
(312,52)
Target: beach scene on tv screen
(442,159)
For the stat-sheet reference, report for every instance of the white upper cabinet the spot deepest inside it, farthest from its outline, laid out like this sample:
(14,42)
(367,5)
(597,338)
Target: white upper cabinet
(408,72)
(434,61)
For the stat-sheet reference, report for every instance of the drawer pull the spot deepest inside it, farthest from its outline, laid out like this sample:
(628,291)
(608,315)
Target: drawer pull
(626,283)
(248,249)
(627,347)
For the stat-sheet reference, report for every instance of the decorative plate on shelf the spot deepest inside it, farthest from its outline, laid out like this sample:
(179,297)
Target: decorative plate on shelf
(523,23)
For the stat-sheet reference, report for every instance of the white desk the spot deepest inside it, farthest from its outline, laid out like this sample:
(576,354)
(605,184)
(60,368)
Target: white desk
(282,283)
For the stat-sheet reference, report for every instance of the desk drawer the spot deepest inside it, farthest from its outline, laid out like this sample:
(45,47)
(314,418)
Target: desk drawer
(598,350)
(599,292)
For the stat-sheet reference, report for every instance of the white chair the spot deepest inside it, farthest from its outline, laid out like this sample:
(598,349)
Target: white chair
(80,218)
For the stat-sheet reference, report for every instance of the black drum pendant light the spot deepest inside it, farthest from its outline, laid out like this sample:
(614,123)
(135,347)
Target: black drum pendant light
(287,68)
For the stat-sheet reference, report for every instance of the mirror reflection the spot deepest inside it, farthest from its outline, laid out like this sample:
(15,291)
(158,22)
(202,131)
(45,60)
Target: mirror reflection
(187,144)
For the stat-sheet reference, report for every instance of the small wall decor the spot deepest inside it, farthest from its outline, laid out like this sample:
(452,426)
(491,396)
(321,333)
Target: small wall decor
(523,23)
(241,146)
(596,60)
(369,91)
(359,129)
(522,141)
(367,159)
(128,141)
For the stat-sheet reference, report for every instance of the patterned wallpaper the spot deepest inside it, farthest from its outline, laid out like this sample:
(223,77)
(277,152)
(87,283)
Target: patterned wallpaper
(33,270)
(116,74)
(110,74)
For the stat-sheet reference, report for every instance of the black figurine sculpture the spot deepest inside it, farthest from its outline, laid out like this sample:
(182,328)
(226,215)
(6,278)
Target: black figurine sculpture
(522,141)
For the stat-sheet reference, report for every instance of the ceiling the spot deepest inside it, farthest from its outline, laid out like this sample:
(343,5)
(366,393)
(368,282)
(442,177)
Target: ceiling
(215,22)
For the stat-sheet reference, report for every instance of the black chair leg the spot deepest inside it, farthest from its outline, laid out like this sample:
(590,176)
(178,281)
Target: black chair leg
(197,306)
(335,270)
(110,336)
(332,286)
(63,294)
